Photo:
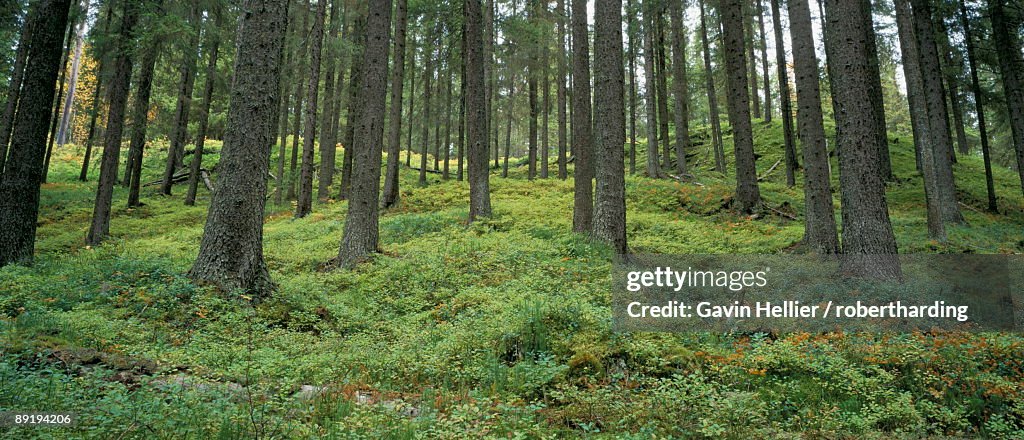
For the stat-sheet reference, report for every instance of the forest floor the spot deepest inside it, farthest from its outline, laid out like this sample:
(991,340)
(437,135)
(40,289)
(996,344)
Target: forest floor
(496,329)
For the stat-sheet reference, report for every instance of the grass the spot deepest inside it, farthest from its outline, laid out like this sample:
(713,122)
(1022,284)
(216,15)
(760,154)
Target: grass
(496,329)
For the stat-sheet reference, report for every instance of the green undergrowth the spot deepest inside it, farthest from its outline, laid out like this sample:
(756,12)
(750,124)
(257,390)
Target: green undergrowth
(500,328)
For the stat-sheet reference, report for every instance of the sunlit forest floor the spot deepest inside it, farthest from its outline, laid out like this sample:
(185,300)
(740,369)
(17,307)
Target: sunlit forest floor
(497,329)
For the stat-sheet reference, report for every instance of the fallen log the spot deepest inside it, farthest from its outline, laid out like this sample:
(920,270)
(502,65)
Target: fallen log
(770,171)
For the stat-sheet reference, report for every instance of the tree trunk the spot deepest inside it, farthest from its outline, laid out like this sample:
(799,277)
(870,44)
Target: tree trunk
(231,251)
(299,70)
(938,118)
(14,91)
(390,195)
(875,96)
(653,169)
(661,84)
(19,187)
(545,136)
(919,117)
(446,146)
(631,31)
(1010,67)
(508,131)
(748,194)
(610,127)
(476,116)
(140,119)
(354,105)
(787,106)
(820,234)
(681,86)
(868,243)
(460,167)
(84,174)
(204,110)
(412,102)
(428,76)
(979,104)
(76,63)
(328,141)
(950,68)
(117,98)
(709,75)
(305,201)
(764,63)
(746,17)
(179,131)
(582,140)
(562,92)
(55,116)
(531,88)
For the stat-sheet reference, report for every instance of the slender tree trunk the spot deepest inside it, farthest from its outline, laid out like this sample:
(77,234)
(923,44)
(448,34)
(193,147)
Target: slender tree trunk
(390,195)
(305,201)
(181,113)
(748,194)
(661,84)
(412,102)
(76,63)
(709,75)
(979,105)
(140,120)
(919,117)
(55,117)
(531,87)
(631,31)
(610,127)
(950,67)
(747,17)
(299,71)
(545,135)
(231,251)
(462,114)
(583,200)
(875,96)
(328,141)
(508,131)
(354,105)
(14,91)
(682,89)
(428,76)
(938,118)
(435,113)
(787,107)
(561,93)
(1008,45)
(19,187)
(282,147)
(764,63)
(204,111)
(653,170)
(446,146)
(118,99)
(869,245)
(476,116)
(84,174)
(820,233)
(490,77)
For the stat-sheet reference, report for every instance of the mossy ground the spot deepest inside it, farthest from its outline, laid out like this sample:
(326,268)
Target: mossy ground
(500,328)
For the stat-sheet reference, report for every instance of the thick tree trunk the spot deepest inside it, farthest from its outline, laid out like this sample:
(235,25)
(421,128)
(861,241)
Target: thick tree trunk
(610,127)
(938,118)
(1008,46)
(328,141)
(140,120)
(179,132)
(118,98)
(390,195)
(979,106)
(19,186)
(562,92)
(681,86)
(869,245)
(55,116)
(213,51)
(764,63)
(305,202)
(875,93)
(231,251)
(709,75)
(919,117)
(820,234)
(748,194)
(951,67)
(476,114)
(582,138)
(787,106)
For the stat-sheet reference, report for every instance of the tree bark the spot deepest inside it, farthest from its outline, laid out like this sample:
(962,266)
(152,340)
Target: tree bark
(305,202)
(1010,67)
(84,174)
(764,63)
(562,92)
(476,116)
(181,114)
(681,86)
(390,195)
(661,84)
(610,127)
(14,91)
(583,187)
(117,98)
(631,31)
(140,119)
(786,101)
(55,116)
(869,245)
(709,75)
(65,120)
(979,105)
(748,194)
(746,17)
(354,105)
(875,93)
(328,141)
(820,233)
(653,169)
(19,185)
(204,110)
(428,76)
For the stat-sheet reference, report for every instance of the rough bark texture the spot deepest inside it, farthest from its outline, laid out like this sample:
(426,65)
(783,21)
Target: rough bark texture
(476,115)
(390,195)
(681,86)
(746,17)
(179,131)
(298,72)
(709,75)
(786,101)
(748,194)
(582,140)
(328,141)
(631,32)
(938,117)
(354,105)
(84,174)
(19,185)
(979,105)
(661,83)
(610,127)
(875,92)
(231,252)
(55,116)
(819,217)
(361,223)
(868,243)
(652,168)
(14,88)
(213,50)
(951,67)
(764,63)
(140,121)
(305,201)
(561,93)
(1010,69)
(919,117)
(428,76)
(65,120)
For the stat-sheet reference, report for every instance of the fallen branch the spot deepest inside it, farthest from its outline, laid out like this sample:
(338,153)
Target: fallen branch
(781,213)
(206,179)
(428,170)
(770,170)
